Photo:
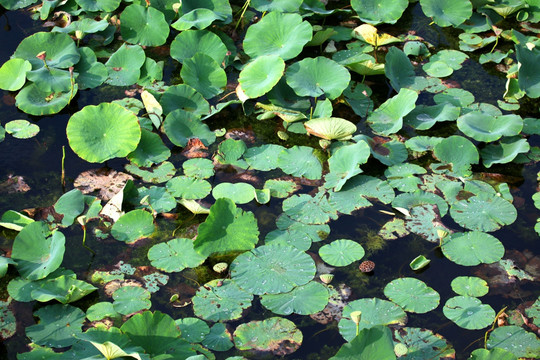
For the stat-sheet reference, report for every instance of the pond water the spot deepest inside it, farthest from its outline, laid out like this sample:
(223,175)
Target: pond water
(38,161)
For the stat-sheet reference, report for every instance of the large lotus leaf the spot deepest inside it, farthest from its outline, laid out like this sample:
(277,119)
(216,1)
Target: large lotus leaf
(504,152)
(276,5)
(447,12)
(143,25)
(275,335)
(34,101)
(316,232)
(279,34)
(240,193)
(303,300)
(98,5)
(423,344)
(57,326)
(51,79)
(398,69)
(175,255)
(457,151)
(483,127)
(300,161)
(379,11)
(412,295)
(470,286)
(272,269)
(484,212)
(423,117)
(20,289)
(318,76)
(150,150)
(125,64)
(420,197)
(14,220)
(99,133)
(425,221)
(341,252)
(16,4)
(188,188)
(184,97)
(70,205)
(84,26)
(198,168)
(372,343)
(309,210)
(64,288)
(204,74)
(261,75)
(354,194)
(199,18)
(515,340)
(215,302)
(345,164)
(186,44)
(264,157)
(13,74)
(529,68)
(21,129)
(218,339)
(388,118)
(472,248)
(374,312)
(180,126)
(132,226)
(131,299)
(60,50)
(37,252)
(469,312)
(330,128)
(91,72)
(493,354)
(403,177)
(221,8)
(193,329)
(227,228)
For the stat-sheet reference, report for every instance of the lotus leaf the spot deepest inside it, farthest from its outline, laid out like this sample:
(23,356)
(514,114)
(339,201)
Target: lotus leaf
(422,144)
(99,5)
(20,289)
(345,163)
(309,210)
(379,11)
(230,151)
(261,75)
(456,97)
(369,34)
(100,311)
(354,194)
(483,127)
(221,8)
(186,44)
(470,286)
(388,118)
(204,74)
(4,263)
(425,221)
(447,12)
(469,312)
(219,338)
(184,97)
(276,5)
(304,300)
(341,252)
(316,232)
(131,299)
(374,312)
(278,34)
(60,50)
(402,177)
(372,343)
(142,25)
(437,69)
(34,101)
(181,126)
(156,174)
(193,330)
(157,199)
(91,72)
(300,161)
(493,354)
(280,188)
(57,326)
(272,269)
(506,151)
(227,228)
(240,193)
(200,18)
(484,212)
(419,197)
(318,76)
(16,4)
(21,129)
(424,117)
(84,26)
(298,239)
(330,128)
(175,255)
(215,302)
(528,74)
(457,151)
(132,226)
(65,289)
(415,48)
(398,68)
(515,340)
(423,344)
(8,326)
(264,157)
(419,263)
(150,150)
(472,248)
(362,64)
(412,295)
(125,64)
(13,74)
(275,335)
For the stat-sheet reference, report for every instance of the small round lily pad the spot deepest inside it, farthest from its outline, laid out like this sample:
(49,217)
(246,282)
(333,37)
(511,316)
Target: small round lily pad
(412,295)
(22,129)
(469,312)
(470,286)
(221,300)
(341,252)
(133,226)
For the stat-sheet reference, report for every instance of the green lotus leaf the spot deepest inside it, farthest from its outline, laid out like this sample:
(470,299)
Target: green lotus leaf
(341,252)
(345,163)
(354,194)
(423,344)
(374,312)
(186,44)
(360,63)
(204,74)
(37,251)
(240,193)
(57,326)
(422,144)
(437,69)
(278,34)
(469,312)
(186,98)
(472,248)
(99,133)
(470,286)
(4,263)
(303,300)
(64,289)
(199,18)
(379,11)
(412,295)
(484,212)
(300,161)
(289,237)
(84,26)
(156,174)
(20,289)
(51,79)
(504,152)
(188,188)
(151,72)
(309,210)
(529,66)
(125,64)
(180,126)
(142,25)
(98,5)
(493,354)
(193,330)
(388,118)
(34,101)
(403,177)
(286,103)
(515,340)
(100,311)
(447,12)
(274,335)
(452,58)
(483,127)
(372,343)
(264,157)
(132,226)
(454,96)
(202,13)
(215,302)
(280,188)
(261,75)
(419,263)
(398,69)
(330,128)
(60,50)
(149,151)
(8,327)
(219,339)
(458,152)
(131,299)
(415,48)
(419,197)
(314,232)
(198,168)
(425,221)
(423,117)
(272,269)
(227,228)
(21,129)
(91,72)
(16,4)
(13,74)
(318,76)
(276,5)
(175,255)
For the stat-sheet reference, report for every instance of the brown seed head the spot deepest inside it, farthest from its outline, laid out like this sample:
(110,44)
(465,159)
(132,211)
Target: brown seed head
(367,266)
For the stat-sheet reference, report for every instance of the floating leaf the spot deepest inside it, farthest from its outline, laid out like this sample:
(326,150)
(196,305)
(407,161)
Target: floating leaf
(506,151)
(472,248)
(190,42)
(412,295)
(99,5)
(309,210)
(100,311)
(21,129)
(219,338)
(198,168)
(155,174)
(423,344)
(330,128)
(469,312)
(131,299)
(181,126)
(424,117)
(303,300)
(150,150)
(515,340)
(344,164)
(240,193)
(373,343)
(354,195)
(457,151)
(341,252)
(447,12)
(484,212)
(132,226)
(493,354)
(13,74)
(221,300)
(379,11)
(57,326)
(483,127)
(193,330)
(184,97)
(388,118)
(470,286)
(280,188)
(35,101)
(261,75)
(204,74)
(419,263)
(188,188)
(300,161)
(60,50)
(143,25)
(125,64)
(264,157)
(398,68)
(175,255)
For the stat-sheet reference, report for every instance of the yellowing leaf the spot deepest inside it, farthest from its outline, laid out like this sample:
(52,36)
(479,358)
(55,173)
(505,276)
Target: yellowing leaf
(369,33)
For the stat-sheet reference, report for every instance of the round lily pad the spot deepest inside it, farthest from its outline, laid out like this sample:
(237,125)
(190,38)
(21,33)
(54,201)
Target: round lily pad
(469,312)
(193,330)
(412,295)
(188,188)
(330,128)
(423,344)
(130,299)
(198,168)
(261,75)
(35,101)
(457,151)
(484,127)
(57,327)
(272,269)
(60,50)
(143,25)
(484,212)
(516,340)
(219,338)
(189,42)
(150,150)
(100,311)
(303,300)
(470,286)
(472,248)
(240,193)
(124,66)
(280,188)
(22,129)
(132,226)
(175,255)
(204,74)
(264,157)
(300,161)
(379,11)
(13,74)
(341,252)
(221,300)
(181,126)
(184,97)
(447,12)
(438,69)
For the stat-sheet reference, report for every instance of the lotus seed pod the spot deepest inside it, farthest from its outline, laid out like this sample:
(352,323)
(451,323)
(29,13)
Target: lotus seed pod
(367,266)
(356,316)
(220,267)
(400,349)
(326,278)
